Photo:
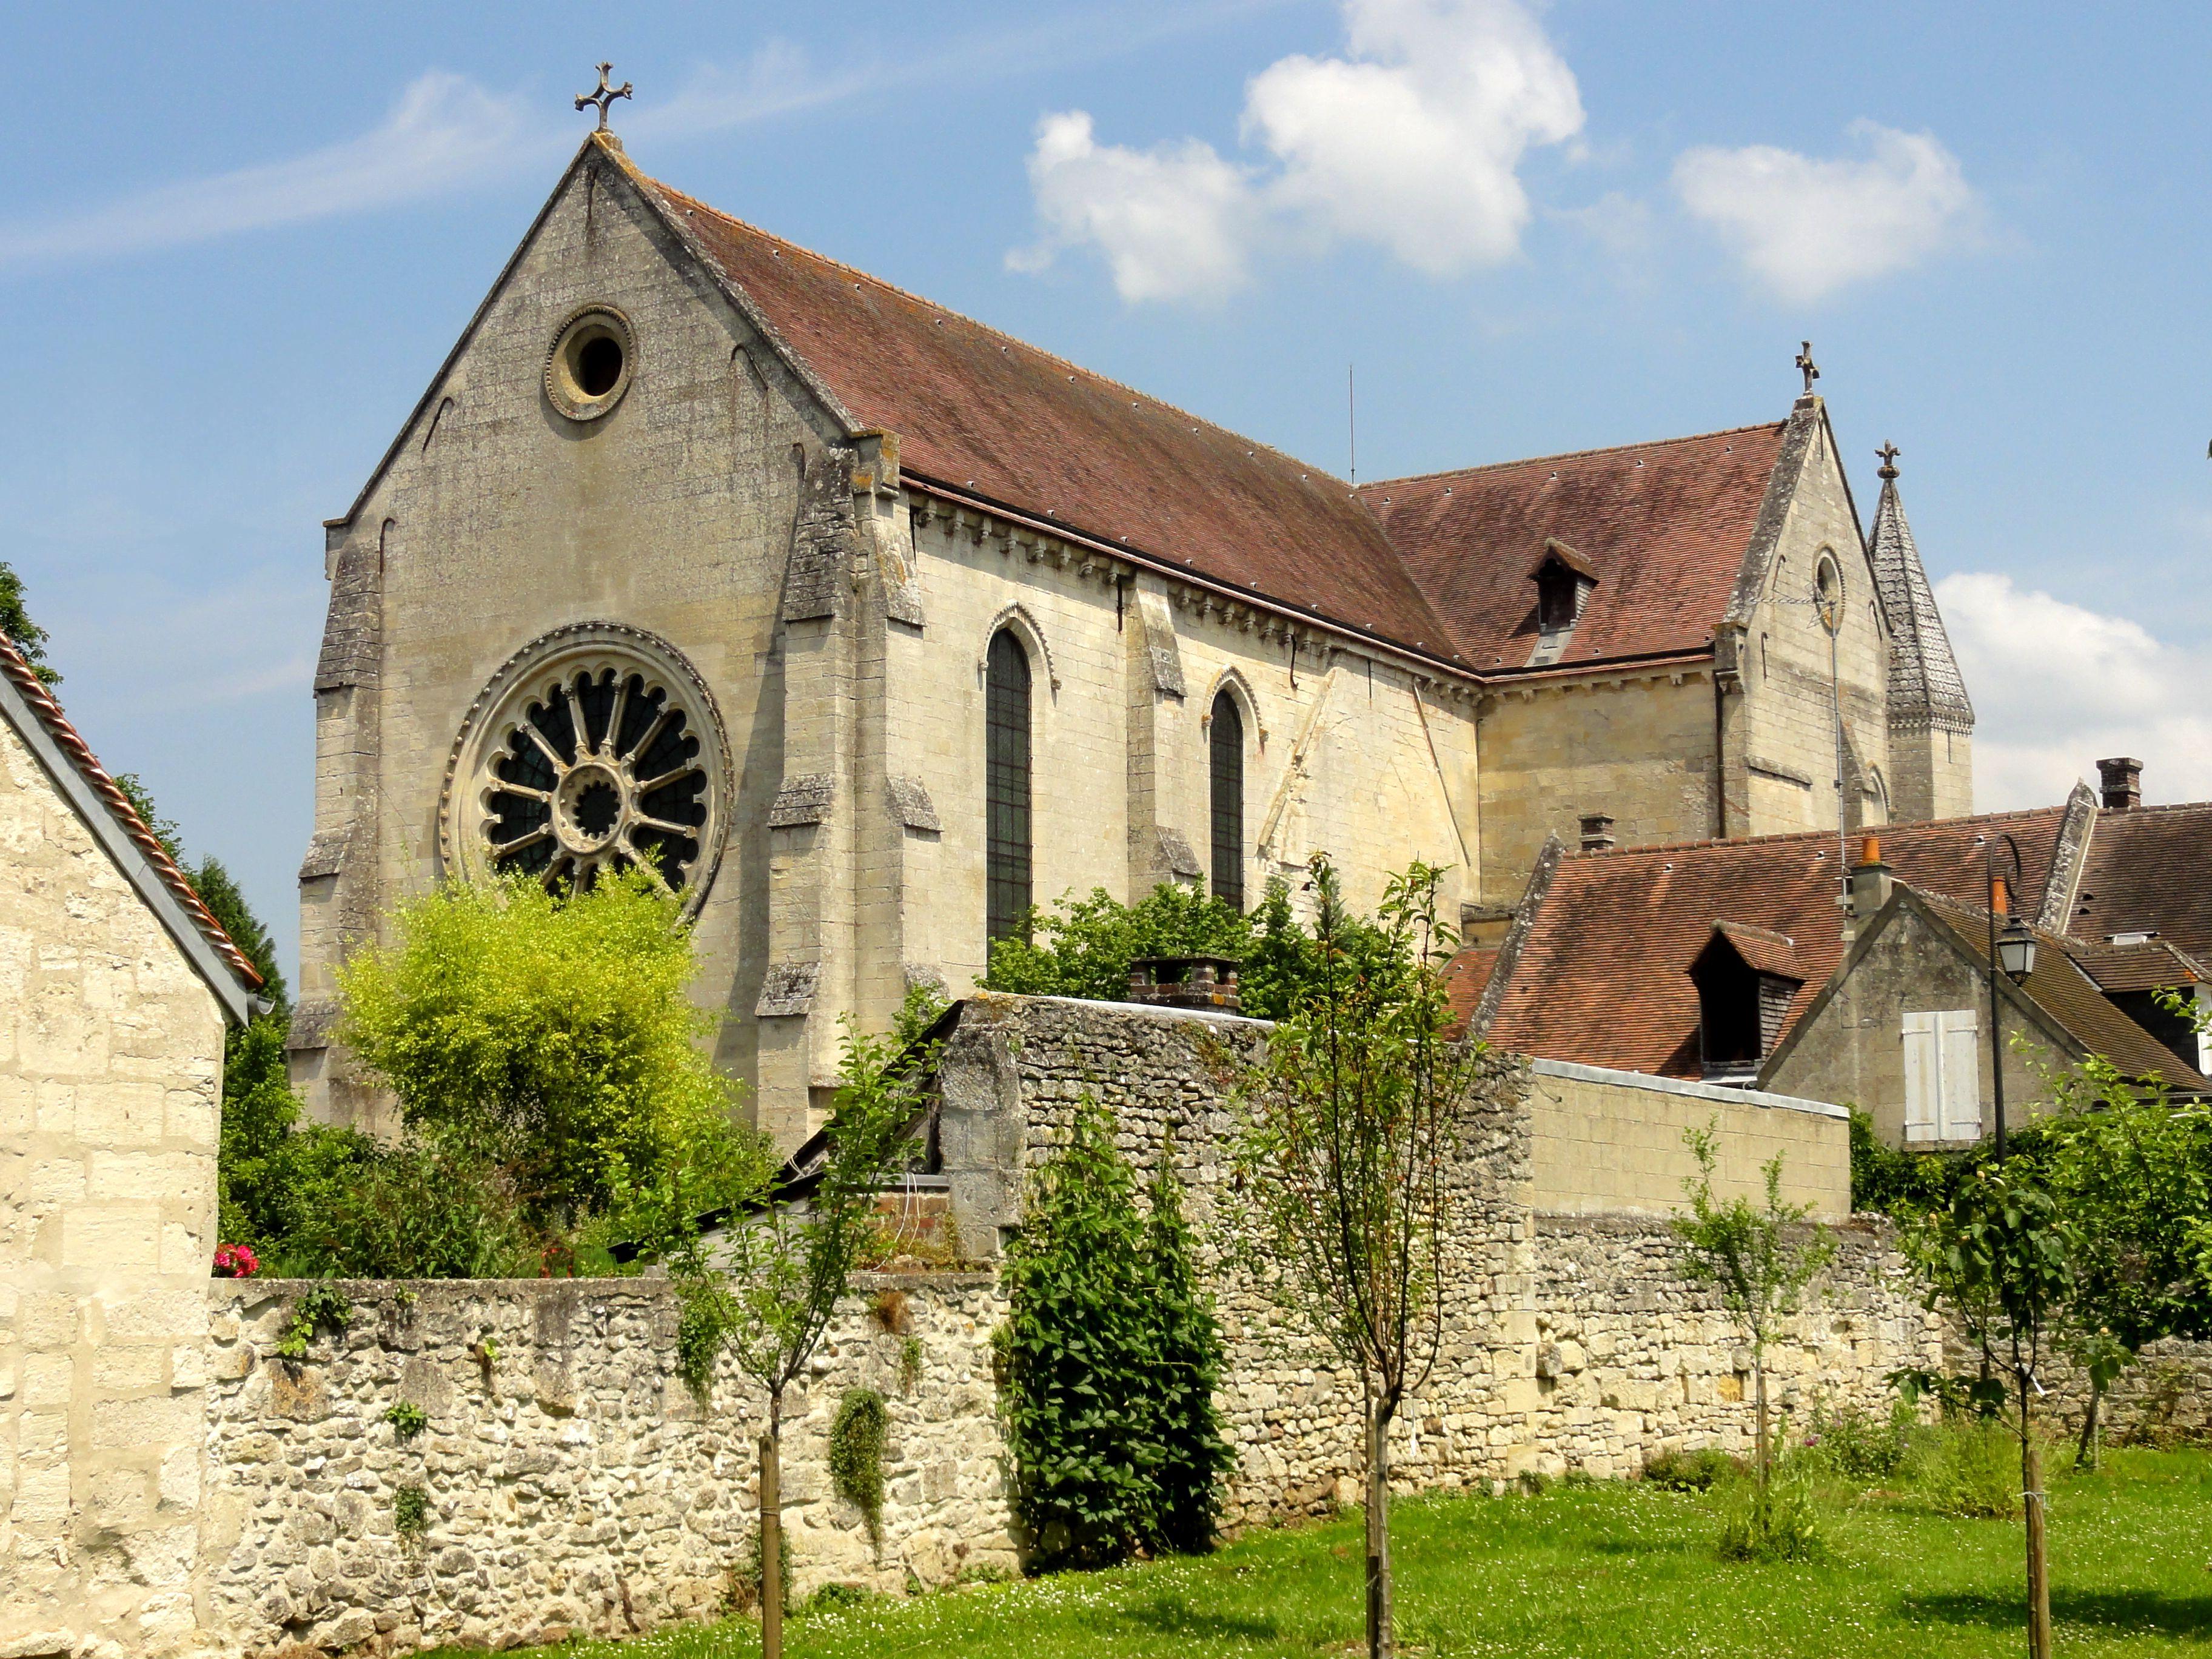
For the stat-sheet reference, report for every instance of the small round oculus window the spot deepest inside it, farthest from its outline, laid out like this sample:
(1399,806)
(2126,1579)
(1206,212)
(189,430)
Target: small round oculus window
(589,368)
(595,749)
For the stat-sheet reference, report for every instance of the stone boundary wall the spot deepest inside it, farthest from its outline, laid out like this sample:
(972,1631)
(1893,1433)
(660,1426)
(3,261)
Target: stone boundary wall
(573,1485)
(1571,1342)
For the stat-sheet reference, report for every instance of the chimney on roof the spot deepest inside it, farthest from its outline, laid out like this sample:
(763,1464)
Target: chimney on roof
(1597,833)
(1871,881)
(2123,783)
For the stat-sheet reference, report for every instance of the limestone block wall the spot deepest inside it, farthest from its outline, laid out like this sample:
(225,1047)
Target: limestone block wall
(1605,1142)
(1786,724)
(1638,746)
(111,1051)
(573,1482)
(1343,753)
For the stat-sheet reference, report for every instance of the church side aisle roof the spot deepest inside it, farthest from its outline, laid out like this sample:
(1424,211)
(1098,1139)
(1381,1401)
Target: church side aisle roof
(981,412)
(1664,526)
(1923,676)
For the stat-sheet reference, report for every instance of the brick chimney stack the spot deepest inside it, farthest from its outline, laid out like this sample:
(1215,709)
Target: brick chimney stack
(2123,783)
(1597,833)
(1871,881)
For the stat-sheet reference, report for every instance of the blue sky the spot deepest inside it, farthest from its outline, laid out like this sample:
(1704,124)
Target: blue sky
(237,241)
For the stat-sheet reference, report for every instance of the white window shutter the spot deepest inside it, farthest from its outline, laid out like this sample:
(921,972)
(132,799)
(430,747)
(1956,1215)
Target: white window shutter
(1923,1077)
(1960,1118)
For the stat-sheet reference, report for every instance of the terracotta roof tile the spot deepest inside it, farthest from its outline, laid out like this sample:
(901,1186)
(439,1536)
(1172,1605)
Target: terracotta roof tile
(1763,949)
(1664,527)
(1467,976)
(34,692)
(1603,973)
(2156,966)
(2149,871)
(983,413)
(2065,992)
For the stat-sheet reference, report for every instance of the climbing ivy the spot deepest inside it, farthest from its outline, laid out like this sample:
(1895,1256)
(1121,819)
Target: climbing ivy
(1109,1359)
(856,1456)
(320,1308)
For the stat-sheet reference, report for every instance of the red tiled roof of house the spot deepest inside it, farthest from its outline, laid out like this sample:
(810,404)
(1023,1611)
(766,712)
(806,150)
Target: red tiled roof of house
(981,412)
(2149,869)
(34,692)
(1602,976)
(1467,976)
(2065,993)
(2156,966)
(1763,949)
(1664,527)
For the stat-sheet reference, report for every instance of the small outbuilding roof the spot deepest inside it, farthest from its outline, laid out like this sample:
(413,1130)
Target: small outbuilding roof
(29,708)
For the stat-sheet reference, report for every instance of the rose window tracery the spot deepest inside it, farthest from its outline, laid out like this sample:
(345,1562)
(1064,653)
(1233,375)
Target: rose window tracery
(596,748)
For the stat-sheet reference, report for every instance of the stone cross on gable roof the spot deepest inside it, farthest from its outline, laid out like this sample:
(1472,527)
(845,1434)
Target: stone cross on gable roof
(604,96)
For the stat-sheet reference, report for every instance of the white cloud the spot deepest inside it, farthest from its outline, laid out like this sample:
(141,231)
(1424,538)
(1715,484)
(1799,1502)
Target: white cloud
(1414,142)
(2057,686)
(1174,222)
(1804,228)
(446,133)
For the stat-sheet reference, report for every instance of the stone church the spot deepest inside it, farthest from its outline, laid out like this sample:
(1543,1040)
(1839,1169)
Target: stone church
(869,626)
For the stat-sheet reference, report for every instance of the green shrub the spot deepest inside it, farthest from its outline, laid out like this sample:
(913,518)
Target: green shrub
(411,1513)
(1084,948)
(1108,1358)
(1692,1471)
(553,1037)
(407,1418)
(1853,1442)
(1968,1467)
(1778,1522)
(856,1457)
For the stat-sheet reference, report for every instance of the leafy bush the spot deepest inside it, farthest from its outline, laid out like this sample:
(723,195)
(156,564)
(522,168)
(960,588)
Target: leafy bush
(1109,1355)
(1776,1521)
(856,1457)
(411,1513)
(407,1418)
(1692,1471)
(320,1308)
(1968,1467)
(1853,1442)
(551,1036)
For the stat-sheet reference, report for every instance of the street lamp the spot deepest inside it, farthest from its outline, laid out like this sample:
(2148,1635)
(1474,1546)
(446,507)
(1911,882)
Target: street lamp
(2014,952)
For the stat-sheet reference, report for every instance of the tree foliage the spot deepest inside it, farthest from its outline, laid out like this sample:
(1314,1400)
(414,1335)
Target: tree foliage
(26,635)
(551,1035)
(1084,947)
(1353,1120)
(1110,1352)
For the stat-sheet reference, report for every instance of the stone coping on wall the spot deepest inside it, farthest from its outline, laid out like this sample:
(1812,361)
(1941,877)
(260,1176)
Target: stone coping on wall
(643,1284)
(1674,1086)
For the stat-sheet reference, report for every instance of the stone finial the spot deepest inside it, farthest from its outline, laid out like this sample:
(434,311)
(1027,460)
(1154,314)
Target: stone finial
(1807,367)
(1889,452)
(604,96)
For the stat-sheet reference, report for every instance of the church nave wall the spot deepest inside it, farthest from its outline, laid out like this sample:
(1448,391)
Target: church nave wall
(1637,748)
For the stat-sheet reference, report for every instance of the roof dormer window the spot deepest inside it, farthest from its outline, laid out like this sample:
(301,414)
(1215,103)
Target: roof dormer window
(1746,979)
(1563,581)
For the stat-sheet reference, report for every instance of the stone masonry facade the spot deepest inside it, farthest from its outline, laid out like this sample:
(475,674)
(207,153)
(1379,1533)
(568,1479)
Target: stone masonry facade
(111,1048)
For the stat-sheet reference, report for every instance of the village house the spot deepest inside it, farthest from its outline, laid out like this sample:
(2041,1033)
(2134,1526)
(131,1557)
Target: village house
(115,987)
(1782,964)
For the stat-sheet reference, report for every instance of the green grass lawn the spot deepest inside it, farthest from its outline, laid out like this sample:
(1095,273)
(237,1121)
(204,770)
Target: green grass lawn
(1614,1571)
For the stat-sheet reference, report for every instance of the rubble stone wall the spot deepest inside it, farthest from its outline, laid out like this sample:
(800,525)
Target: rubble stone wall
(570,1480)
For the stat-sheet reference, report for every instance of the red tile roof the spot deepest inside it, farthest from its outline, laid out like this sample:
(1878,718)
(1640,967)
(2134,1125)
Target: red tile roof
(1467,976)
(2149,869)
(1602,976)
(2072,1000)
(19,674)
(2156,966)
(1763,949)
(1664,527)
(982,413)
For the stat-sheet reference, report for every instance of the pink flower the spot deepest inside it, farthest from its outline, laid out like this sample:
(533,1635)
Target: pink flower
(236,1261)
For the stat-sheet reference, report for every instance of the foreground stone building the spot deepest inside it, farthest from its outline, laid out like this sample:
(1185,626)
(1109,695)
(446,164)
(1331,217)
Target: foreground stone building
(870,626)
(115,983)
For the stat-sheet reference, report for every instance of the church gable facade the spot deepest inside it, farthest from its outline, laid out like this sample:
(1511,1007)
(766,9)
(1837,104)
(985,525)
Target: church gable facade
(869,627)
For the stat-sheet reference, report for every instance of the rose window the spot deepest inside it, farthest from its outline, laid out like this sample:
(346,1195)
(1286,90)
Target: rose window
(595,749)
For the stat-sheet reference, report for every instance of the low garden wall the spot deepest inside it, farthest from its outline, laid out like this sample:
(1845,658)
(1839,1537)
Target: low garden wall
(569,1481)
